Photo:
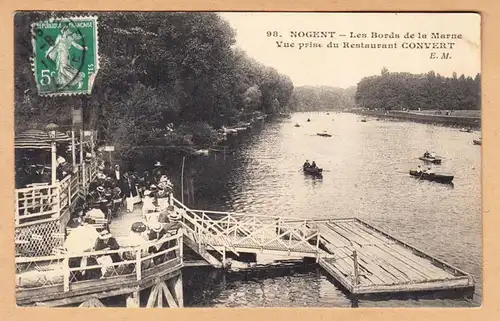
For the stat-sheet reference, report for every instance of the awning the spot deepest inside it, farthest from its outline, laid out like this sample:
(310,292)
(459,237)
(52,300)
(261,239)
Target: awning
(37,139)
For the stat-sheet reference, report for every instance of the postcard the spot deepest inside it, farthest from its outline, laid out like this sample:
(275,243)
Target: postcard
(247,159)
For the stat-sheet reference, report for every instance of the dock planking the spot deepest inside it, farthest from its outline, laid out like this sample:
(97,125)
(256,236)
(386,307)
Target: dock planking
(384,264)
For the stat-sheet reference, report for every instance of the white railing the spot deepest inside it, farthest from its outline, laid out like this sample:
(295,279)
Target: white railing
(44,202)
(67,269)
(236,230)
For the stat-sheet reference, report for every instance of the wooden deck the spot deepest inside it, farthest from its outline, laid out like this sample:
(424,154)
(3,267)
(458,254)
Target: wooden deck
(120,225)
(384,264)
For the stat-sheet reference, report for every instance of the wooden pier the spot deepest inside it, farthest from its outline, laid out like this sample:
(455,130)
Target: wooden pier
(364,259)
(369,261)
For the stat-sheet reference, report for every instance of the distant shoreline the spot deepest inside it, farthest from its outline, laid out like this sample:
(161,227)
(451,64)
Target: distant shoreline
(450,120)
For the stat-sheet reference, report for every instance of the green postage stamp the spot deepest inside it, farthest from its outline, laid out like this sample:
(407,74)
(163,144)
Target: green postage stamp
(65,55)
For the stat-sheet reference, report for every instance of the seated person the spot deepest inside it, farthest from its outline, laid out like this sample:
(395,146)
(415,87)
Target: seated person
(306,164)
(107,242)
(313,165)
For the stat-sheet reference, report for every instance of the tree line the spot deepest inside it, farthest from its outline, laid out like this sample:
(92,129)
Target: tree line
(431,91)
(321,98)
(164,78)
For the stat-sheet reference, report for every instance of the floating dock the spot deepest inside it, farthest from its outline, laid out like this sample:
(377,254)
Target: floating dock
(369,261)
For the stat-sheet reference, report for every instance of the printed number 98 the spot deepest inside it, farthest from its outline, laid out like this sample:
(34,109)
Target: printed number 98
(273,34)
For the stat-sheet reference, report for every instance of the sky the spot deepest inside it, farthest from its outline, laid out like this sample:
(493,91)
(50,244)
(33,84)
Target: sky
(341,67)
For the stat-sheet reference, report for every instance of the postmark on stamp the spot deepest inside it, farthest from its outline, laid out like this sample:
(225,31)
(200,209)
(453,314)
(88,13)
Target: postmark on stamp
(65,55)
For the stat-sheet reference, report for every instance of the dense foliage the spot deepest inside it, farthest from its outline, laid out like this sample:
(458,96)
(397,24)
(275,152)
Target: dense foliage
(322,98)
(156,70)
(430,91)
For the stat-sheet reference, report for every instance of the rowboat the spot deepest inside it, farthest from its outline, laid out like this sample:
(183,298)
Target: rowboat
(433,160)
(466,130)
(477,141)
(324,134)
(434,177)
(313,171)
(363,120)
(297,125)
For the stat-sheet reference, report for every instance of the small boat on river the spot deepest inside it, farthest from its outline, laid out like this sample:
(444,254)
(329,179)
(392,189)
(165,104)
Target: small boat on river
(466,130)
(324,134)
(431,159)
(433,177)
(477,141)
(313,171)
(308,119)
(297,125)
(363,120)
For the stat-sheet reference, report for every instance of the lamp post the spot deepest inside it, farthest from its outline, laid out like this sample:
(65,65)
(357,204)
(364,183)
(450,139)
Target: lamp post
(52,132)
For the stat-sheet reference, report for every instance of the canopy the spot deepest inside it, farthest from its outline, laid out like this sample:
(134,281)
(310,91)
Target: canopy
(38,139)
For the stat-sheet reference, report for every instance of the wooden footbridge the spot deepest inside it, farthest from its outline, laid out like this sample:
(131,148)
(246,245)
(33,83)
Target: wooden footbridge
(362,258)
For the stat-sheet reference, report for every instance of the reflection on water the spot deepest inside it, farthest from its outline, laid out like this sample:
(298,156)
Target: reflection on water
(365,175)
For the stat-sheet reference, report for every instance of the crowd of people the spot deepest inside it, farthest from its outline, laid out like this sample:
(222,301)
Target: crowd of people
(33,167)
(115,192)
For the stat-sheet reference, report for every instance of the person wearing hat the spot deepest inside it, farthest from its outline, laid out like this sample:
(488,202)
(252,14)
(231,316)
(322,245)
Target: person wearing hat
(106,241)
(162,196)
(156,231)
(147,206)
(129,189)
(157,171)
(88,157)
(100,192)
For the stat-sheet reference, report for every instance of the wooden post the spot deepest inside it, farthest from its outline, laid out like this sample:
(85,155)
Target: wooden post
(53,162)
(356,274)
(179,293)
(182,179)
(159,297)
(138,269)
(181,244)
(317,247)
(132,300)
(92,143)
(82,163)
(152,296)
(224,257)
(66,274)
(73,149)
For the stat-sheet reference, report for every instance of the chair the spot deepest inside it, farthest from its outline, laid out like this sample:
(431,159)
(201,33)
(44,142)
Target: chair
(100,224)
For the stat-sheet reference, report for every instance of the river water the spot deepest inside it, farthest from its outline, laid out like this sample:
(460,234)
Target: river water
(365,176)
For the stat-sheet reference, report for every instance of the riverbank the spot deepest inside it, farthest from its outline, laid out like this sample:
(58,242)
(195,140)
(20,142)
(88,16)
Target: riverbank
(448,120)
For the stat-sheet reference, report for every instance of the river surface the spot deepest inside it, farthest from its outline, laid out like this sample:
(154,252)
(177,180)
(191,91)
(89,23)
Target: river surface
(365,176)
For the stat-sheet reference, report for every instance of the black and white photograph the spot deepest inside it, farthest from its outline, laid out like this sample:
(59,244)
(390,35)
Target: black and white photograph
(247,159)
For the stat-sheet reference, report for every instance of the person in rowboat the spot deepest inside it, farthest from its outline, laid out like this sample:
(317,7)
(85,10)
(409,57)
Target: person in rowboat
(427,154)
(430,171)
(306,164)
(313,165)
(419,169)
